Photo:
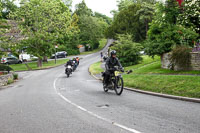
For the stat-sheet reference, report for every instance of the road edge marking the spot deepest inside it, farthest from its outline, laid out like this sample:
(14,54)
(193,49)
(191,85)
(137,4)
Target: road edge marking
(91,113)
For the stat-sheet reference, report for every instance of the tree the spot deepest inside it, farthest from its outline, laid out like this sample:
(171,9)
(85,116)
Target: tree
(127,51)
(68,3)
(107,19)
(123,4)
(164,33)
(1,8)
(145,14)
(127,22)
(92,30)
(92,26)
(82,9)
(8,6)
(190,15)
(44,23)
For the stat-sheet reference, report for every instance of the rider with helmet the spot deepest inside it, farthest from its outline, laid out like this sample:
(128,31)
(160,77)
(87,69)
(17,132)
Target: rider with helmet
(111,62)
(70,62)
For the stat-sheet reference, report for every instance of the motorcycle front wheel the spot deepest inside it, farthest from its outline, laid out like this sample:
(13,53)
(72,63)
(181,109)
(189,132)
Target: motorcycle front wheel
(119,85)
(104,86)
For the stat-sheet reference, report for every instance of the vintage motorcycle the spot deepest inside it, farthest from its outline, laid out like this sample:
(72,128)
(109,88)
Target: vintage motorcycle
(68,70)
(115,80)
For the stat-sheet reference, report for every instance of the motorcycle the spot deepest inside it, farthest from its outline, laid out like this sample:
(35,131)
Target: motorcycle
(74,66)
(115,80)
(68,70)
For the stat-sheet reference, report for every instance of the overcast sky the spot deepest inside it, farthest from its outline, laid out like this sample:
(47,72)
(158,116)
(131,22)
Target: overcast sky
(101,6)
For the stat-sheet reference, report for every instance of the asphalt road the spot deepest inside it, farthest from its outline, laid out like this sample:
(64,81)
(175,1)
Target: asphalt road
(46,101)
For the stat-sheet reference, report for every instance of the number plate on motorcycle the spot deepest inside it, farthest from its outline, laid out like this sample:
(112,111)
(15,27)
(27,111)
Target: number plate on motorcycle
(116,73)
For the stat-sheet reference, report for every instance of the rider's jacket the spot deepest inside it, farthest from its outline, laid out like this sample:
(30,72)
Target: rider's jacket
(111,62)
(69,63)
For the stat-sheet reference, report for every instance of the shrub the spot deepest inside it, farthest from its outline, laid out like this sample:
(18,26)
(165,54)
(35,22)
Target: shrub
(163,39)
(10,81)
(73,51)
(128,52)
(181,57)
(5,68)
(15,76)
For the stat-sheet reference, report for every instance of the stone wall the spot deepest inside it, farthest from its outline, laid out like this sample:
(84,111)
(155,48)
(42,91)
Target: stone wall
(4,79)
(195,62)
(165,61)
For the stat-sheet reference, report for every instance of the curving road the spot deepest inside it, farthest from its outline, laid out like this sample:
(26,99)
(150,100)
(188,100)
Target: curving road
(46,101)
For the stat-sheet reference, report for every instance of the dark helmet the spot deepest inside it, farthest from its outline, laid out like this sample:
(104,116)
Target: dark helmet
(113,53)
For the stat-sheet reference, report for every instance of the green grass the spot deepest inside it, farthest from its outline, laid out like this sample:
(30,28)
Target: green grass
(153,66)
(181,85)
(96,68)
(149,76)
(146,61)
(33,65)
(101,46)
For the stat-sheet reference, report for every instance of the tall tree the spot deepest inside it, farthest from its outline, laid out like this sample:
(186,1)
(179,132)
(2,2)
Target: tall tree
(190,16)
(145,14)
(1,8)
(44,23)
(68,3)
(8,6)
(127,22)
(82,9)
(107,19)
(92,30)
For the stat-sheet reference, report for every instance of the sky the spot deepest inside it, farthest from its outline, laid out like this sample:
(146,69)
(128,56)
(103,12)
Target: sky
(101,6)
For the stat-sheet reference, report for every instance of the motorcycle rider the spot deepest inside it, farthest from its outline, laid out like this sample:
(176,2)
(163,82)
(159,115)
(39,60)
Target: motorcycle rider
(77,59)
(70,62)
(75,64)
(110,63)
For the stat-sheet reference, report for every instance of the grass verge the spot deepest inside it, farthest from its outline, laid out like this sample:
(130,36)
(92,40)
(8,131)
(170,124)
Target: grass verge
(33,65)
(180,85)
(96,68)
(102,44)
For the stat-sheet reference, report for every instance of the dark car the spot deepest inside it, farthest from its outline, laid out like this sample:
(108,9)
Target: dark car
(10,60)
(61,54)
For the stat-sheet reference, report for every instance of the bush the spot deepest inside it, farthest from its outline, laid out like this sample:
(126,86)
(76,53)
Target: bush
(73,51)
(15,76)
(128,52)
(5,68)
(10,81)
(181,57)
(161,39)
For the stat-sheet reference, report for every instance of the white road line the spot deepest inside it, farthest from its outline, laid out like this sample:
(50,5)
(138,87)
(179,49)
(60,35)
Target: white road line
(91,113)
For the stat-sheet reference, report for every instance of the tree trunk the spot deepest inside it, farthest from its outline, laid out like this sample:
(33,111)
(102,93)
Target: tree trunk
(39,63)
(45,59)
(146,28)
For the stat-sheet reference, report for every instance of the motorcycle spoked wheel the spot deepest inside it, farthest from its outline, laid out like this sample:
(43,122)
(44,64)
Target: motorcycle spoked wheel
(104,86)
(119,85)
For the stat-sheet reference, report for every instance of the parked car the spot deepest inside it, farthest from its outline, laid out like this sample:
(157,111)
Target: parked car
(61,54)
(27,57)
(10,60)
